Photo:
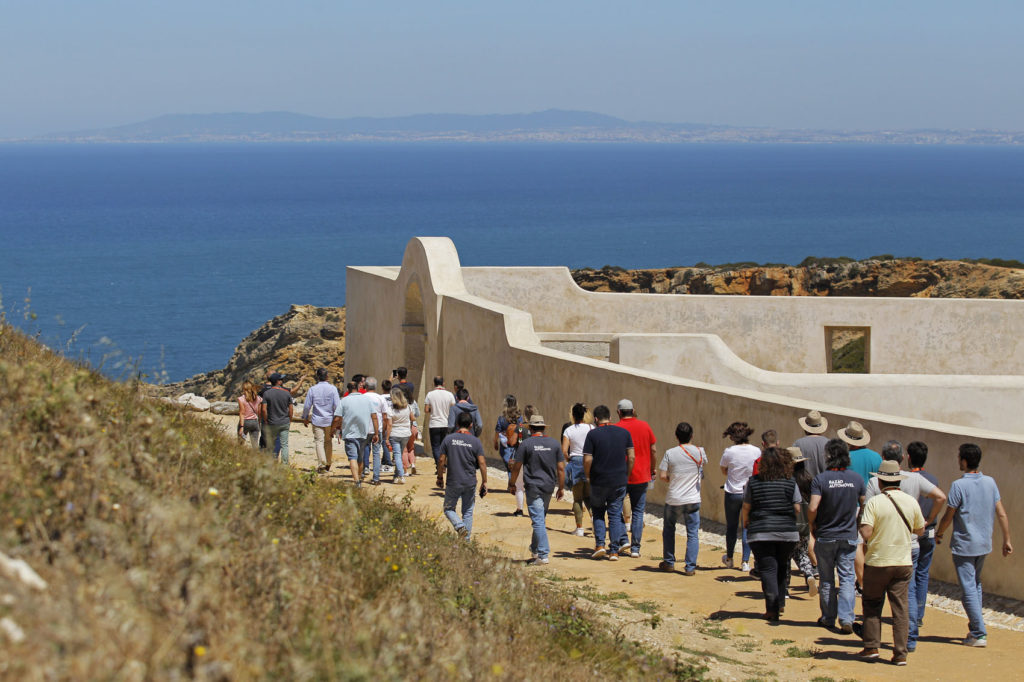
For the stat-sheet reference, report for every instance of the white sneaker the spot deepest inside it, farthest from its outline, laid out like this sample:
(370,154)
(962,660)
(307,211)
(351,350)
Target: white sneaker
(578,532)
(975,641)
(746,567)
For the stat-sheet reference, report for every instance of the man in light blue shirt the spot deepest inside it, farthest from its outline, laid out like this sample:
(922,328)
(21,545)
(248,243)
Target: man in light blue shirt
(321,401)
(355,419)
(973,504)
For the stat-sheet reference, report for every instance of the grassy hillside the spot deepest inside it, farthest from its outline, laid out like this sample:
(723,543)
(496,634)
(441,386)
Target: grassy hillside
(172,553)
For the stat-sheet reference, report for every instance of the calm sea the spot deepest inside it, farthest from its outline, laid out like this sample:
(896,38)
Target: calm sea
(169,255)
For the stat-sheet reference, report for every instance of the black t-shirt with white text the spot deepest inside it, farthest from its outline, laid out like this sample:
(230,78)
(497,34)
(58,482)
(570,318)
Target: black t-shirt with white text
(840,499)
(540,456)
(462,451)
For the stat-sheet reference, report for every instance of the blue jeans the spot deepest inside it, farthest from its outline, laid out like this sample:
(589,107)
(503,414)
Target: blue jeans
(836,556)
(451,497)
(275,433)
(919,584)
(608,500)
(638,504)
(375,449)
(968,574)
(733,507)
(537,504)
(397,446)
(385,454)
(690,515)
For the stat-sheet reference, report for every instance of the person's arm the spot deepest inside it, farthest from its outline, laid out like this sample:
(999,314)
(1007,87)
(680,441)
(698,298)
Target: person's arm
(812,512)
(940,502)
(663,469)
(263,411)
(866,531)
(306,406)
(1004,526)
(947,519)
(376,428)
(479,421)
(630,458)
(654,461)
(497,443)
(746,514)
(481,462)
(296,389)
(241,421)
(725,470)
(561,480)
(442,467)
(291,410)
(587,461)
(565,447)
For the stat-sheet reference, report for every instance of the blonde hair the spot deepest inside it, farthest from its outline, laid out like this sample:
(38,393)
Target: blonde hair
(529,411)
(398,398)
(249,391)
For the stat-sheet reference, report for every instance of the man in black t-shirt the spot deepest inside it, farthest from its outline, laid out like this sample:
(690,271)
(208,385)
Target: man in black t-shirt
(836,497)
(607,461)
(462,455)
(276,413)
(540,458)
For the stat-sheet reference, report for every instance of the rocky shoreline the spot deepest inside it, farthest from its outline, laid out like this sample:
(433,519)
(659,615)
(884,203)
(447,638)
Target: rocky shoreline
(307,337)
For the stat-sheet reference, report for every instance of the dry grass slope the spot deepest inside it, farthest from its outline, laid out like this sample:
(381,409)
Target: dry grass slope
(173,553)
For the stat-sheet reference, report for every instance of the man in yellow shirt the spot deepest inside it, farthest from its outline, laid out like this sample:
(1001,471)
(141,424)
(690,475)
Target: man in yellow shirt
(887,524)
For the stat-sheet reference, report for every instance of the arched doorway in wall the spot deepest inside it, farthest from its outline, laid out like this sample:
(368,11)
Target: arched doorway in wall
(414,335)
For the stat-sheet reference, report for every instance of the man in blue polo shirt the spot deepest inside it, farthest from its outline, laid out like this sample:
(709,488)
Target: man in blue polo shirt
(607,460)
(973,504)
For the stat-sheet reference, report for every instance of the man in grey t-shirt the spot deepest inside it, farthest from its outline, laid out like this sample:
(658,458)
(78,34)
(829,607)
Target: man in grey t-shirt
(461,455)
(540,458)
(812,444)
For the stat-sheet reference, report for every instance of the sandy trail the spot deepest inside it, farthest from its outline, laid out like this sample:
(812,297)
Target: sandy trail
(714,616)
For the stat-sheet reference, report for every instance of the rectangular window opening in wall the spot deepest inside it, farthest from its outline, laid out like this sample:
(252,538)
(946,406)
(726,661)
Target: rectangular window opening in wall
(848,350)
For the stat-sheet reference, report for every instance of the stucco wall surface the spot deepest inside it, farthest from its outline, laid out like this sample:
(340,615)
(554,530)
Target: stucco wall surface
(908,335)
(495,349)
(985,402)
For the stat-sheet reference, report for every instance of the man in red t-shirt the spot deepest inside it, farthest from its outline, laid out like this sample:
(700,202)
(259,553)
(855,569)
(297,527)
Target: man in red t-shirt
(640,476)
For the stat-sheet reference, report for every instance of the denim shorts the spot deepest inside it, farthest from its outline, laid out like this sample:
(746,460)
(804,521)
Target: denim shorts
(354,447)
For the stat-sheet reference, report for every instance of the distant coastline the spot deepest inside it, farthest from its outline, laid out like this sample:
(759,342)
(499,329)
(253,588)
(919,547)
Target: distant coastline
(551,126)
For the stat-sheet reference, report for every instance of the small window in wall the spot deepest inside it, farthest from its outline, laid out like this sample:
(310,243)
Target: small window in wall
(848,349)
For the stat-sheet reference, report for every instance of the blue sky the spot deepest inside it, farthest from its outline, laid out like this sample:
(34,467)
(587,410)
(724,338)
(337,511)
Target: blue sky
(868,65)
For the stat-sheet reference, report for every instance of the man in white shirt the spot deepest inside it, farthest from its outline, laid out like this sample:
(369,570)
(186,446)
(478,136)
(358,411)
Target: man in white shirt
(438,403)
(379,408)
(682,468)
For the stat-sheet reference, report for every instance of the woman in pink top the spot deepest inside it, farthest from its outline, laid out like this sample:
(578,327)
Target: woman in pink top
(248,414)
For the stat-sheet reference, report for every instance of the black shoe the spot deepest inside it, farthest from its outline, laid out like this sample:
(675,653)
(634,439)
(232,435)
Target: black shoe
(517,512)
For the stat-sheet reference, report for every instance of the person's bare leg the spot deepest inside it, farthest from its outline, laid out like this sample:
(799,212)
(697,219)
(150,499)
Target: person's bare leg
(354,466)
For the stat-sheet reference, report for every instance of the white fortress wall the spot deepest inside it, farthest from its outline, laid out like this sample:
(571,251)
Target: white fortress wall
(779,333)
(980,401)
(397,315)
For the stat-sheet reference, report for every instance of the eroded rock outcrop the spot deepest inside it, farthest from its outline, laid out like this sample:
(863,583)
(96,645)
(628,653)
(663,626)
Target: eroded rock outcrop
(899,278)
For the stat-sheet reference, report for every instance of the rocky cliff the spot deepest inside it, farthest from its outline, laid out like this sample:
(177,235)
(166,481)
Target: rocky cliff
(831,277)
(296,343)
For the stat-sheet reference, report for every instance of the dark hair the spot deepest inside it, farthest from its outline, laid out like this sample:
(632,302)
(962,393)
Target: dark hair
(407,391)
(401,372)
(439,381)
(351,386)
(386,385)
(971,455)
(626,413)
(579,411)
(739,432)
(463,420)
(461,394)
(320,374)
(917,452)
(459,383)
(803,480)
(358,377)
(775,464)
(770,437)
(892,451)
(837,454)
(684,432)
(602,413)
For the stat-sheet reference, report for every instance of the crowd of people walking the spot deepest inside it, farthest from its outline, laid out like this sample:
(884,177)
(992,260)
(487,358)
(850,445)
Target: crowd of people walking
(850,518)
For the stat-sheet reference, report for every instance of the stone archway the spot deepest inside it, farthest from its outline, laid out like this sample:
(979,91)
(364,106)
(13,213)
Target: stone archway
(414,335)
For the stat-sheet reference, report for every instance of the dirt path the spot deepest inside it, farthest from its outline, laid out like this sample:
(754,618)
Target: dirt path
(713,617)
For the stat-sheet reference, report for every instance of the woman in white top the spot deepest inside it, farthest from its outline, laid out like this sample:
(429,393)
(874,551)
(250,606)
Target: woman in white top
(737,466)
(572,447)
(401,430)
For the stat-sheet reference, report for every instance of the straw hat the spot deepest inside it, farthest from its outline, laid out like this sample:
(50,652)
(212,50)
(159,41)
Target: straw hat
(854,434)
(813,422)
(537,420)
(797,454)
(890,472)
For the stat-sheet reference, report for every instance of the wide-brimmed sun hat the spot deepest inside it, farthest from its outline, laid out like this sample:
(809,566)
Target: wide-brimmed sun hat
(854,434)
(889,472)
(797,454)
(537,420)
(813,422)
